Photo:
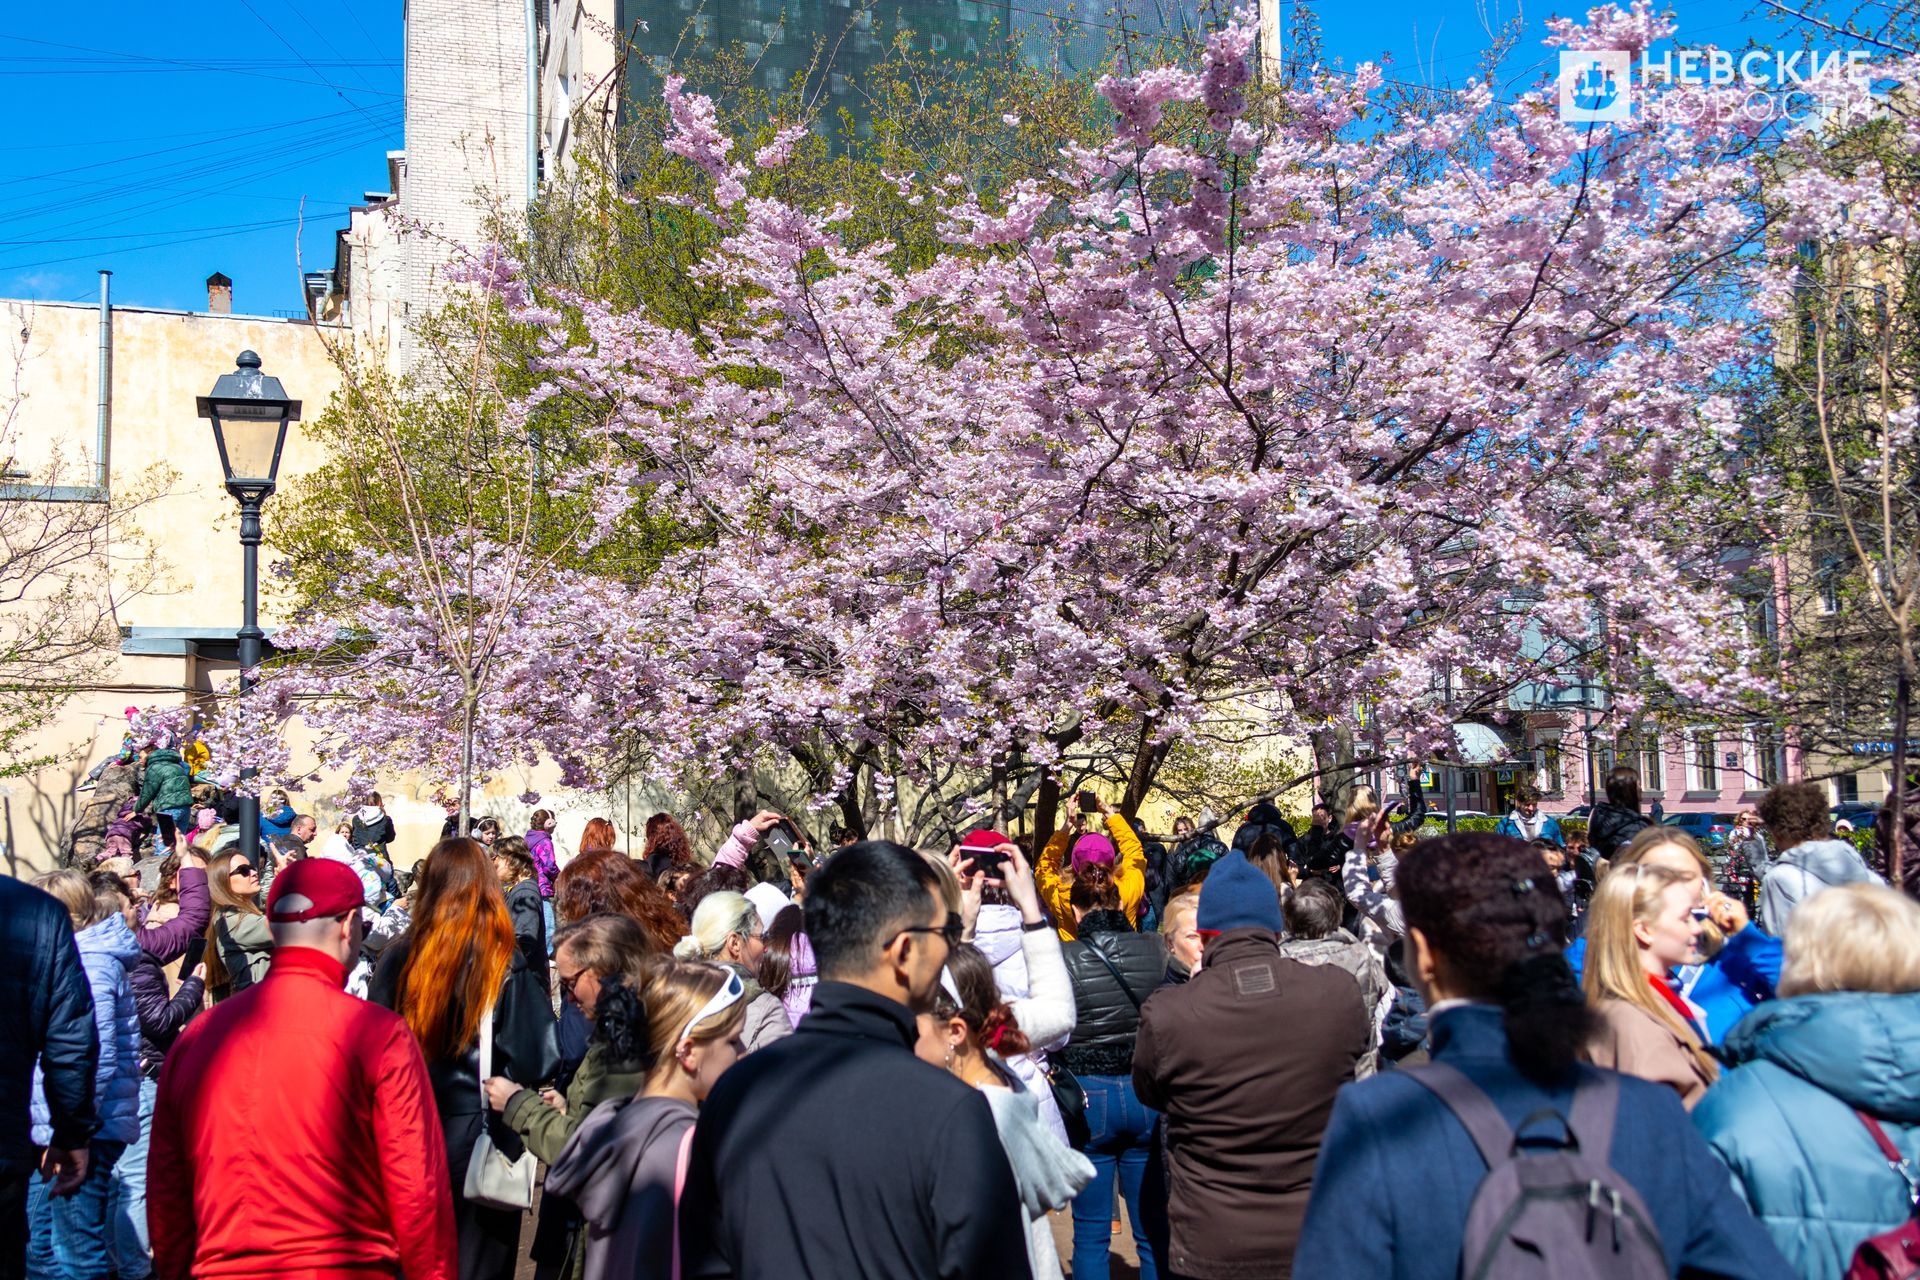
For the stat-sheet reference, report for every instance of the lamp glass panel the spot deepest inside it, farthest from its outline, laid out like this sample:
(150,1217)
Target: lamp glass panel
(251,435)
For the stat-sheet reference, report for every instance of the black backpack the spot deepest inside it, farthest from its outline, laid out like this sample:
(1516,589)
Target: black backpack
(1563,1212)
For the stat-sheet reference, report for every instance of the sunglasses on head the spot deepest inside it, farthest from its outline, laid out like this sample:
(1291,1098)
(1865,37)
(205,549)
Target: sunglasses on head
(730,991)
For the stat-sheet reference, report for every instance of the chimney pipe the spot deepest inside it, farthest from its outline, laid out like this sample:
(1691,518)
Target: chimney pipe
(219,294)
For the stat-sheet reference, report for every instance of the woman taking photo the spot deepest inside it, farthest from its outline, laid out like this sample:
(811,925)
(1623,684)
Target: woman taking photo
(1640,929)
(443,978)
(1817,1071)
(682,1021)
(239,947)
(1398,1171)
(1113,969)
(969,1034)
(727,930)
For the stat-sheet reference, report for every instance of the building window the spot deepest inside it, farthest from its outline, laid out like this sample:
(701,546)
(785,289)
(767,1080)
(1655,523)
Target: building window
(1652,765)
(1769,758)
(1548,773)
(1846,788)
(1706,770)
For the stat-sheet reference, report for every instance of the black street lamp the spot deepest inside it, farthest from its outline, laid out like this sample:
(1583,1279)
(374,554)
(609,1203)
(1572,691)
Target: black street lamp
(250,413)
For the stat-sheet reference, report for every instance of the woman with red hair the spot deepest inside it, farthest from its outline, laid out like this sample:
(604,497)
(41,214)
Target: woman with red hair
(443,978)
(599,836)
(603,880)
(667,845)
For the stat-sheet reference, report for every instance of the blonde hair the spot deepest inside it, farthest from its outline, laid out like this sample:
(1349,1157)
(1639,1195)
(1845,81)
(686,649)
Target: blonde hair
(645,1005)
(1630,893)
(1635,851)
(718,917)
(74,892)
(1185,902)
(1854,937)
(949,888)
(1364,805)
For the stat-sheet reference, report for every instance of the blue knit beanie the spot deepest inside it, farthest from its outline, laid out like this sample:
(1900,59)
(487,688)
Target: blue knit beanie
(1237,895)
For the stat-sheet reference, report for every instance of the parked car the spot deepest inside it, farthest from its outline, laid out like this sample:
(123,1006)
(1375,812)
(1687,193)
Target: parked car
(1710,829)
(1859,813)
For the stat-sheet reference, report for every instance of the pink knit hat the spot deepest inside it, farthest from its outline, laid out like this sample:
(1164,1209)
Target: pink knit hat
(1090,848)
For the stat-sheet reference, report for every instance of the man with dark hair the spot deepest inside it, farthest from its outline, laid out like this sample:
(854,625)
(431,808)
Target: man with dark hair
(1323,848)
(1809,860)
(834,1151)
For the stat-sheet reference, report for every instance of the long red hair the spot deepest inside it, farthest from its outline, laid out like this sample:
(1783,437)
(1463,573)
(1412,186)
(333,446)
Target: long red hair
(599,834)
(665,834)
(461,944)
(603,880)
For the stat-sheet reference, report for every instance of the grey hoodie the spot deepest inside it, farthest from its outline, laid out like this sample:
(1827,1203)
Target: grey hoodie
(1803,871)
(619,1168)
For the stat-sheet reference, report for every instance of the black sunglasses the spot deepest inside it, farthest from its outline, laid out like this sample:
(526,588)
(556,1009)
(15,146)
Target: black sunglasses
(240,869)
(951,930)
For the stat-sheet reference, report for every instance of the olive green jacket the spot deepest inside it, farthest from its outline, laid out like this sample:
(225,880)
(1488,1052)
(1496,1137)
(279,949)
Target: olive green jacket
(546,1130)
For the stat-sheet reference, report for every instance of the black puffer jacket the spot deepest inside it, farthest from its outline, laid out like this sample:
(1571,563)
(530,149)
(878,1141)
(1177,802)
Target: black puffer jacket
(161,1016)
(1107,1019)
(1609,826)
(46,1008)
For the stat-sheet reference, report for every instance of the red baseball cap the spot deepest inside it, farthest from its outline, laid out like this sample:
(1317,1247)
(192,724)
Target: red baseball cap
(314,889)
(983,839)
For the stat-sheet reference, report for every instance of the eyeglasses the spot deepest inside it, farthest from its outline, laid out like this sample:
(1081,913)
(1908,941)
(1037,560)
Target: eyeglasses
(243,869)
(951,930)
(730,991)
(571,983)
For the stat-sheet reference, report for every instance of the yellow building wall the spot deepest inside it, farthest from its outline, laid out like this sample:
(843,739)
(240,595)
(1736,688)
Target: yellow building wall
(161,360)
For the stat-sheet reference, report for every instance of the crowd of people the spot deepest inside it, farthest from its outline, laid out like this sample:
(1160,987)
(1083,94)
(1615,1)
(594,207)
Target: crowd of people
(1347,1048)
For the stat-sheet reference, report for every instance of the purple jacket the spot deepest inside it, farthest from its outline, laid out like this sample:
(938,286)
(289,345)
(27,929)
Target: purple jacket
(168,942)
(540,847)
(161,1016)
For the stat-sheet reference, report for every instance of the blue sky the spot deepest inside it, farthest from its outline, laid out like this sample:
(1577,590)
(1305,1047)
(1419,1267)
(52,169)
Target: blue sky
(169,141)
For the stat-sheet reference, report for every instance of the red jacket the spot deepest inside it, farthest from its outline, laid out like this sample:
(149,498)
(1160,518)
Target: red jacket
(295,1136)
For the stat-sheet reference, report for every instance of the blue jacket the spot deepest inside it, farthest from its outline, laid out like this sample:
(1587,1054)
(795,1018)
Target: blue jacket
(1397,1171)
(108,952)
(277,823)
(46,1021)
(1783,1121)
(1741,976)
(1549,829)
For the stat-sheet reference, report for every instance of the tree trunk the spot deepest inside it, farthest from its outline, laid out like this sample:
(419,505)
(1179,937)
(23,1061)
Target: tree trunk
(1046,805)
(1148,756)
(1896,816)
(1333,757)
(466,763)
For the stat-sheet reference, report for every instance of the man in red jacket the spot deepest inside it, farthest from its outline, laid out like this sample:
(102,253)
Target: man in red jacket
(295,1133)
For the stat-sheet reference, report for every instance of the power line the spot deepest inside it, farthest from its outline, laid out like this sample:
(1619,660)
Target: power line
(140,248)
(176,231)
(248,6)
(187,62)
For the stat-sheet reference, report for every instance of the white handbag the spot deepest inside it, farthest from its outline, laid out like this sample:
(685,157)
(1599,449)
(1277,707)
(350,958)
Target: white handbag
(493,1180)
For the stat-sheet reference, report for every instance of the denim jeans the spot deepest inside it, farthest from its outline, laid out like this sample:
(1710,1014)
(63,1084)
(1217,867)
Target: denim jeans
(546,917)
(127,1202)
(182,821)
(67,1238)
(1121,1145)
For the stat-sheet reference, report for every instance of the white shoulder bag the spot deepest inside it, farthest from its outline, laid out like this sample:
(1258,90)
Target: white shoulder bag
(492,1179)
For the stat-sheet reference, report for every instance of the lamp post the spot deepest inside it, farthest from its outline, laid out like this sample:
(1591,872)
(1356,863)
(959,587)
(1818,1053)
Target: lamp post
(250,413)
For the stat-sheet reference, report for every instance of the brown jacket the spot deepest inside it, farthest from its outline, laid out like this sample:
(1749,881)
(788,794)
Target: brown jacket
(1245,1061)
(1630,1039)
